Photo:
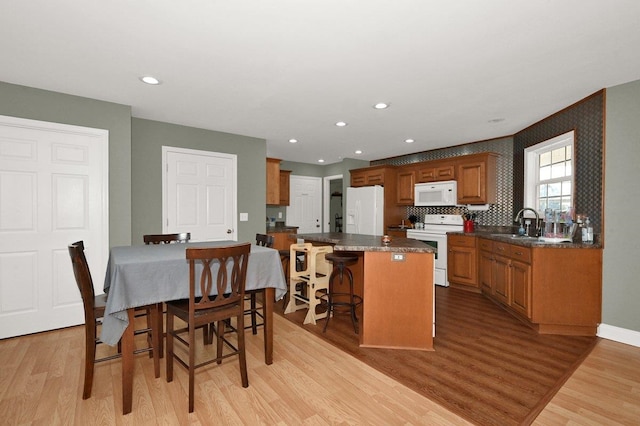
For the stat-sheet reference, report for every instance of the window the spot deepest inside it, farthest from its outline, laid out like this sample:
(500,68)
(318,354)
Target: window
(548,179)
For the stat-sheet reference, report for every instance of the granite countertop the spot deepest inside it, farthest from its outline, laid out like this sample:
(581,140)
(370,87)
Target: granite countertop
(525,242)
(358,242)
(278,229)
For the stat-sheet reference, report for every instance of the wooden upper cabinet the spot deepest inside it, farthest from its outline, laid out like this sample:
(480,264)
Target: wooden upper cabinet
(433,171)
(369,176)
(284,187)
(476,176)
(406,180)
(273,181)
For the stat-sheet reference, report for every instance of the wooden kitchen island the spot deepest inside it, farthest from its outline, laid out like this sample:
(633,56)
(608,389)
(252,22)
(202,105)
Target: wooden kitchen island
(396,283)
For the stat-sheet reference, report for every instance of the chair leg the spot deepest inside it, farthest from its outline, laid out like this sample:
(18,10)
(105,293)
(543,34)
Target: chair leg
(241,352)
(254,327)
(156,334)
(89,359)
(220,335)
(192,367)
(169,360)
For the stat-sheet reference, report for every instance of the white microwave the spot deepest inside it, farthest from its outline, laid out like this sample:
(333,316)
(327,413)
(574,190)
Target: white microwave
(443,193)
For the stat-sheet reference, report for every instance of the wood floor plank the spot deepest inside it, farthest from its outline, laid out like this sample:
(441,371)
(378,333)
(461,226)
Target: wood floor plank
(310,382)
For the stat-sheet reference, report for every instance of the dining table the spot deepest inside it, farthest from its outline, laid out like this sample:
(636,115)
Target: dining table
(141,275)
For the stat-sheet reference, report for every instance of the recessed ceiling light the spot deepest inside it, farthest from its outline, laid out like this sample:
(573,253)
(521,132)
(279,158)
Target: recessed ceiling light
(409,140)
(293,140)
(321,161)
(358,151)
(381,105)
(341,124)
(150,80)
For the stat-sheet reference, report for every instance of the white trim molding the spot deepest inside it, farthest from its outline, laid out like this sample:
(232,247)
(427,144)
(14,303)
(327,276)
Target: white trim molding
(618,334)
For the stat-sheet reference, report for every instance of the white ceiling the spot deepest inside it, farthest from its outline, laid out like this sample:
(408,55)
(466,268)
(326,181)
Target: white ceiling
(284,69)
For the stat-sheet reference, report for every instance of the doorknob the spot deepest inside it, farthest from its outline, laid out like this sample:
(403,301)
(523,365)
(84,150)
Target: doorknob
(229,231)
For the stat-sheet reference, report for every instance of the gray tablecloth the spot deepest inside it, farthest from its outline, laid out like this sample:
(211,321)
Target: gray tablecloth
(146,274)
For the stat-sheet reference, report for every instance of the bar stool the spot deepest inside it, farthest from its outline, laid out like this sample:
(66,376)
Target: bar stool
(341,302)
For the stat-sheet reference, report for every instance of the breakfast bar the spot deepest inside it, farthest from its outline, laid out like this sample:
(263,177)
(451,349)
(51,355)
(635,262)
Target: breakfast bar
(395,280)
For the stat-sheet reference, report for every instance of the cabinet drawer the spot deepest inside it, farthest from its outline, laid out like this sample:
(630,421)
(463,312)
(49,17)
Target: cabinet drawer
(523,254)
(462,241)
(485,244)
(503,249)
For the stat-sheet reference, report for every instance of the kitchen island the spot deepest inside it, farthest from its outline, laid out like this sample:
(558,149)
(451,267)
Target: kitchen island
(395,281)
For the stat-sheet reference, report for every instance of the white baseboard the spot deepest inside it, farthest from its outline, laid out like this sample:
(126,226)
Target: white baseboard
(622,335)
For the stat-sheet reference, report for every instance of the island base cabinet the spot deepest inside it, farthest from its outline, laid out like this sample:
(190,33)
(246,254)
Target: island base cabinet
(398,301)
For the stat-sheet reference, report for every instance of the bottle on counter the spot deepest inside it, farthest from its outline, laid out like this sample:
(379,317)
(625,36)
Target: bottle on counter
(587,232)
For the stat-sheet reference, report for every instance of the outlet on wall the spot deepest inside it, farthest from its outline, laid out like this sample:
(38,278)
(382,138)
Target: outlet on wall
(279,215)
(244,217)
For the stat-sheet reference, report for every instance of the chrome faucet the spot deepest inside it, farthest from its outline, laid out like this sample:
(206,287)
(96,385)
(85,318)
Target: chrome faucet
(519,218)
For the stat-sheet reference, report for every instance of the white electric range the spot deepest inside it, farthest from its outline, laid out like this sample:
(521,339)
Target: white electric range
(434,233)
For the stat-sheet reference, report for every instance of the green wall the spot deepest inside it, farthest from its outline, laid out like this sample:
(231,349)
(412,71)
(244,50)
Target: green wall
(148,138)
(621,269)
(43,105)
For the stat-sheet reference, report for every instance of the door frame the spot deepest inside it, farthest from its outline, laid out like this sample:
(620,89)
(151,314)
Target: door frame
(326,201)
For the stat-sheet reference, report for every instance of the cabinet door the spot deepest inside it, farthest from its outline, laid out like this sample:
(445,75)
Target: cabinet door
(425,174)
(358,178)
(284,187)
(501,279)
(521,287)
(445,172)
(406,182)
(461,265)
(471,183)
(273,181)
(485,264)
(281,240)
(375,177)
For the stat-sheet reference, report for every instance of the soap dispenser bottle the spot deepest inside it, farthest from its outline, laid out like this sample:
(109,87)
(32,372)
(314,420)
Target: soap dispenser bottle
(587,232)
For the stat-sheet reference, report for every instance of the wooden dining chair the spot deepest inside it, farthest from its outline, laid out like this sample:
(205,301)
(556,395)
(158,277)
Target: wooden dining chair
(221,271)
(251,295)
(148,239)
(182,237)
(94,308)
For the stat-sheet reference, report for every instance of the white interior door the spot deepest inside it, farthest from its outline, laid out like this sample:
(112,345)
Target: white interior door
(305,204)
(199,194)
(53,192)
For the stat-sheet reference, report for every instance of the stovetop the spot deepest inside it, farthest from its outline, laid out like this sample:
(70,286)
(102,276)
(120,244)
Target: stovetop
(439,224)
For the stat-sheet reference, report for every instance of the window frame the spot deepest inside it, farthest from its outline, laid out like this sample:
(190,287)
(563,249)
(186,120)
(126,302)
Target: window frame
(532,167)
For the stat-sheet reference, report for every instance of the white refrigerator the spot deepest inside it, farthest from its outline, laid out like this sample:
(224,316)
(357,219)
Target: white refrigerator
(365,210)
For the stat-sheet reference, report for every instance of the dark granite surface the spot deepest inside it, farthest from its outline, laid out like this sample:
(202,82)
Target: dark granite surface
(525,242)
(279,229)
(358,242)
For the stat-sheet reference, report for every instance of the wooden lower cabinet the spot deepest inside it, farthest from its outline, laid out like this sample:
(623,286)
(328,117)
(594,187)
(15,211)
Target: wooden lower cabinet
(281,240)
(554,290)
(462,270)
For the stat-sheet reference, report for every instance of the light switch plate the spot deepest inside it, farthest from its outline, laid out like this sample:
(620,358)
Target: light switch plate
(244,217)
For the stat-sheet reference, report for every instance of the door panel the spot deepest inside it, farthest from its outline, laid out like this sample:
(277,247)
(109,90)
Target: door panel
(305,208)
(53,191)
(200,194)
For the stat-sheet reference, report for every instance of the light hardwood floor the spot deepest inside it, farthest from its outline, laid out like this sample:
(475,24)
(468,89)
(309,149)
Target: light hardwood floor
(310,382)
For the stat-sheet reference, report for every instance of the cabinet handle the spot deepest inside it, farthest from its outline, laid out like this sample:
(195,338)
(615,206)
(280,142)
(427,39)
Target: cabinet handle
(519,253)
